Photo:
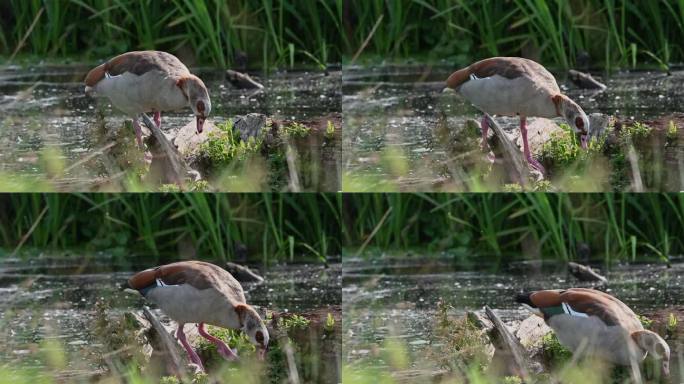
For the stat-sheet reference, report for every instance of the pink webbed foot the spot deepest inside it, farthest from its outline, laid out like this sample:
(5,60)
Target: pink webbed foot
(536,165)
(221,347)
(192,355)
(157,119)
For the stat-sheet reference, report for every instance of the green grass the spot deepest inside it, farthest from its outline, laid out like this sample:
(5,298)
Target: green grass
(268,33)
(613,33)
(490,226)
(274,228)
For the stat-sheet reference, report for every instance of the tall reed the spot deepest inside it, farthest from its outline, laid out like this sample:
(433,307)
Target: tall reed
(272,227)
(263,33)
(613,33)
(494,227)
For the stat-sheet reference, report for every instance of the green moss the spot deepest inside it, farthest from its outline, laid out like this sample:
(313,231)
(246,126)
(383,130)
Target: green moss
(224,145)
(169,380)
(553,351)
(293,321)
(296,130)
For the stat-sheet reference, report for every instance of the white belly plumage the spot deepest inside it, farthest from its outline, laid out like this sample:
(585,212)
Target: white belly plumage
(611,343)
(135,94)
(498,95)
(187,304)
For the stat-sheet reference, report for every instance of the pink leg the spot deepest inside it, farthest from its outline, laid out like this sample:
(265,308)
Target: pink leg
(485,129)
(192,355)
(138,133)
(485,145)
(526,148)
(223,349)
(157,119)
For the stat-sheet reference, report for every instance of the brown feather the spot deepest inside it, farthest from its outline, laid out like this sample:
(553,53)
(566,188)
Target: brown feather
(457,78)
(198,274)
(95,75)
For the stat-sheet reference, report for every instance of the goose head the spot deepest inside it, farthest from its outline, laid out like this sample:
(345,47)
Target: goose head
(575,117)
(655,346)
(198,96)
(256,331)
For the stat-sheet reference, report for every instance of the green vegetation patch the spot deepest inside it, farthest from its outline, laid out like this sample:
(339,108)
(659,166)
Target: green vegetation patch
(462,341)
(553,351)
(297,130)
(224,145)
(293,322)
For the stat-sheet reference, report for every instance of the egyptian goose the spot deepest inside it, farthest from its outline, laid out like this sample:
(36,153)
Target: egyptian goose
(149,81)
(606,326)
(513,86)
(203,293)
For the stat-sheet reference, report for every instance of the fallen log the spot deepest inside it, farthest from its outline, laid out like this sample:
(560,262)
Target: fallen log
(510,345)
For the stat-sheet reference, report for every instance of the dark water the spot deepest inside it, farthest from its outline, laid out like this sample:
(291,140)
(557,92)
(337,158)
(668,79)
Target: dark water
(397,302)
(44,306)
(391,114)
(45,107)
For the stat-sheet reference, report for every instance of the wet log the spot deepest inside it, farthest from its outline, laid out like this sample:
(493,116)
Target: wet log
(513,159)
(243,274)
(585,80)
(585,273)
(167,165)
(242,80)
(510,346)
(168,347)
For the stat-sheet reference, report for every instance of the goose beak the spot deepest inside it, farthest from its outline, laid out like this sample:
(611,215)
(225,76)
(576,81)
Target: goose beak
(200,123)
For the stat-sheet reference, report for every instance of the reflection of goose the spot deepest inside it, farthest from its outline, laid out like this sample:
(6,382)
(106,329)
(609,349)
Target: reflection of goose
(199,292)
(514,86)
(149,81)
(603,324)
